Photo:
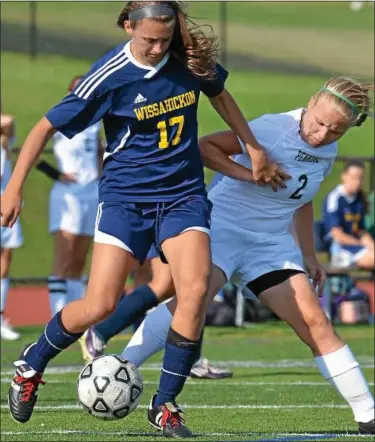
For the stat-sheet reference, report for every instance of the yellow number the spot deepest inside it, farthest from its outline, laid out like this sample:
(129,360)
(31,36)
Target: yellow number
(162,126)
(163,143)
(180,121)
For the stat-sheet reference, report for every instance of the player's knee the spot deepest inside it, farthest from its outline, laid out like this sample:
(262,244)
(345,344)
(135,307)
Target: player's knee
(100,311)
(318,330)
(196,291)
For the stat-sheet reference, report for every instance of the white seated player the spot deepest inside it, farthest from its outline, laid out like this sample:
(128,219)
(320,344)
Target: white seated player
(11,238)
(251,241)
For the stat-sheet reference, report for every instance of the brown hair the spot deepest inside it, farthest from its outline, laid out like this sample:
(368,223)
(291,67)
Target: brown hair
(73,82)
(356,92)
(195,50)
(361,193)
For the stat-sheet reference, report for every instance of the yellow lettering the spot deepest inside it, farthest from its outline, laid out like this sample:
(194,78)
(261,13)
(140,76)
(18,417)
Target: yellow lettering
(175,101)
(162,109)
(182,100)
(155,108)
(140,113)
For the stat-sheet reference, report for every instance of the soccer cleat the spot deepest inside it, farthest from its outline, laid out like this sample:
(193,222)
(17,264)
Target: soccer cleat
(23,390)
(91,345)
(167,419)
(366,427)
(7,332)
(202,369)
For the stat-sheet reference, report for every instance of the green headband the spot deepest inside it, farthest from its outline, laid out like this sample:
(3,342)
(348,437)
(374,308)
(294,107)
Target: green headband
(342,97)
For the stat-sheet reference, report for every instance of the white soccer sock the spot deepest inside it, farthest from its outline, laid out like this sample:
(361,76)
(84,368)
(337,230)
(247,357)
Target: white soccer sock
(56,293)
(74,289)
(342,370)
(4,292)
(150,336)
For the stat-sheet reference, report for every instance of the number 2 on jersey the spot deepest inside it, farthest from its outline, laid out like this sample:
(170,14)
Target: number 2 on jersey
(296,195)
(162,126)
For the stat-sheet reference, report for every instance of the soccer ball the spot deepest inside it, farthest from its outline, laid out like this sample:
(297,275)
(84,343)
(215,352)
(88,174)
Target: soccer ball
(110,387)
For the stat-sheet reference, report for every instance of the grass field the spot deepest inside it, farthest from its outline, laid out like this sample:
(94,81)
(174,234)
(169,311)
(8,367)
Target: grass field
(276,393)
(29,89)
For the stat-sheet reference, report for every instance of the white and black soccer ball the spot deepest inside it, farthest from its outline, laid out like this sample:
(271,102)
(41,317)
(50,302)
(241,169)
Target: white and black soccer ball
(110,387)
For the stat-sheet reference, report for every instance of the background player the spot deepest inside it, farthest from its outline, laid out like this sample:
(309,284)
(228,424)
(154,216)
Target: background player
(344,213)
(72,208)
(10,240)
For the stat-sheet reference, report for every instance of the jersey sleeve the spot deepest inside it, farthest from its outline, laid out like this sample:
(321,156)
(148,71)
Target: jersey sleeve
(80,109)
(212,88)
(331,214)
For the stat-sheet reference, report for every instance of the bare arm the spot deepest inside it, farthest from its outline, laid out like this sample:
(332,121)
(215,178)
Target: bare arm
(343,238)
(216,150)
(227,108)
(31,150)
(304,230)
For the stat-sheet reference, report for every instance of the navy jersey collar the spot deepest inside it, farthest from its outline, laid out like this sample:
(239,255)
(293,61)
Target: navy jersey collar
(152,70)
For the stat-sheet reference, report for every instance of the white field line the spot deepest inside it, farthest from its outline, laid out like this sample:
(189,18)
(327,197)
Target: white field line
(205,383)
(271,437)
(202,407)
(365,362)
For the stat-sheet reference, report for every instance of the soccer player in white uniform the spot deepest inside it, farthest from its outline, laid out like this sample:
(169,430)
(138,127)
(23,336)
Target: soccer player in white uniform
(251,241)
(11,238)
(72,212)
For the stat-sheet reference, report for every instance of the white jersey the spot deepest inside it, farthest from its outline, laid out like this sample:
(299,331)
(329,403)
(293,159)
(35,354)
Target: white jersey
(257,208)
(6,169)
(79,155)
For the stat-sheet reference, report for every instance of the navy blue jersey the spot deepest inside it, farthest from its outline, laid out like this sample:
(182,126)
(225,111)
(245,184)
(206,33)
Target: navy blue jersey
(150,121)
(342,210)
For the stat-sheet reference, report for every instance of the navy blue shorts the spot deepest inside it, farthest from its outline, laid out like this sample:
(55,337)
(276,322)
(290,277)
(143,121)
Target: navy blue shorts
(136,227)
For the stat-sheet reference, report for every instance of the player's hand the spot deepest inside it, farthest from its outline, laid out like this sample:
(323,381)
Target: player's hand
(10,207)
(316,273)
(67,178)
(265,172)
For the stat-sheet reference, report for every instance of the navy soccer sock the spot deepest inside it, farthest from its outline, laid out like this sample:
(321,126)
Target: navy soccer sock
(180,355)
(129,309)
(51,342)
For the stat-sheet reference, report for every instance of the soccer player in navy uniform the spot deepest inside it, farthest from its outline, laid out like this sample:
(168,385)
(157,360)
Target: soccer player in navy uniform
(151,191)
(344,212)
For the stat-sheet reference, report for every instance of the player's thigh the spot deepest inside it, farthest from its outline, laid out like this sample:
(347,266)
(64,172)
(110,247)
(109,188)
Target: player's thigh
(295,301)
(185,241)
(110,267)
(189,258)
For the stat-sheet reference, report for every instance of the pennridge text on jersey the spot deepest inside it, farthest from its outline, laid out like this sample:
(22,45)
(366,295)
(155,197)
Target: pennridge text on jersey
(165,106)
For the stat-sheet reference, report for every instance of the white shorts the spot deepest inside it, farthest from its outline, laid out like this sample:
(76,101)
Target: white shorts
(244,255)
(73,211)
(11,238)
(345,255)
